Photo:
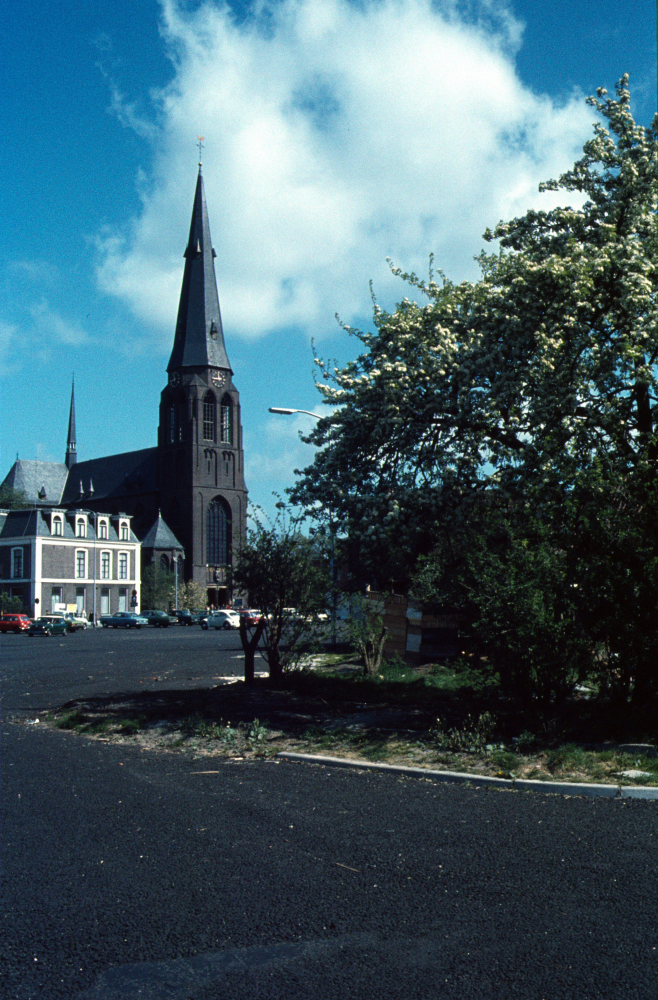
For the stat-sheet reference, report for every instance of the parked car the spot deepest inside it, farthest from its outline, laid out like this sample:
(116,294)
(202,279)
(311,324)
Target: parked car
(74,622)
(123,619)
(159,619)
(220,619)
(184,617)
(14,623)
(48,625)
(252,617)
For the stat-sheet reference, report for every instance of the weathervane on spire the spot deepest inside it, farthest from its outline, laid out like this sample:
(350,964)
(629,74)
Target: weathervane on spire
(200,144)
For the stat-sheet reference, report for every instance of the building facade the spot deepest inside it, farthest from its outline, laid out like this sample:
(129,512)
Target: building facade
(193,479)
(56,559)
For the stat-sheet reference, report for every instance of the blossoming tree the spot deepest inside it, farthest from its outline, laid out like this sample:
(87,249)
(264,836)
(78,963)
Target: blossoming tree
(517,415)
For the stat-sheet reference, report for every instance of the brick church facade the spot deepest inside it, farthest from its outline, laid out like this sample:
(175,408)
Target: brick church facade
(190,487)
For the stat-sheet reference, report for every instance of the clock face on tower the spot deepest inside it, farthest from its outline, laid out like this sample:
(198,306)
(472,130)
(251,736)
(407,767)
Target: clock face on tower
(218,379)
(174,379)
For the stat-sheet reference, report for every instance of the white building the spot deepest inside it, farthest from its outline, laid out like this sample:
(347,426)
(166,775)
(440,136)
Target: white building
(56,559)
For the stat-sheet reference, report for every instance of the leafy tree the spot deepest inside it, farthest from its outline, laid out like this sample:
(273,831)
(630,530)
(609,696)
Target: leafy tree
(366,629)
(286,577)
(520,406)
(11,499)
(158,587)
(192,595)
(9,603)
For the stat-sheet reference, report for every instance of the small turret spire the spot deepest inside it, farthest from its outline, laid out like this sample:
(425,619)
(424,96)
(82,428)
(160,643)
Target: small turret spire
(71,451)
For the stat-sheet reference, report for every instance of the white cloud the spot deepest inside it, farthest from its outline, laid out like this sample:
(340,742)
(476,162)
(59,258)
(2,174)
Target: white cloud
(8,332)
(277,450)
(50,326)
(337,134)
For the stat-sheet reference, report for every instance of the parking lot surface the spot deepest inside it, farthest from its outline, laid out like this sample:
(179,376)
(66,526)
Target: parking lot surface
(131,873)
(46,671)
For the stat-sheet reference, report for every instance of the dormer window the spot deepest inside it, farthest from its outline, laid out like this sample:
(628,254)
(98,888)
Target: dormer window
(102,529)
(80,527)
(58,527)
(123,531)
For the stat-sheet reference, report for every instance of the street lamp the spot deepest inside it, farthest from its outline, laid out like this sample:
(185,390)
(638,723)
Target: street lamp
(286,411)
(282,409)
(93,514)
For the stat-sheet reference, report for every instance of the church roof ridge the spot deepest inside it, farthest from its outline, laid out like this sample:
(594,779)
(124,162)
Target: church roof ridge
(199,336)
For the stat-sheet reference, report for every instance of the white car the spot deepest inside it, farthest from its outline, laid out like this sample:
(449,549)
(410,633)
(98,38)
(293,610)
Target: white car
(221,619)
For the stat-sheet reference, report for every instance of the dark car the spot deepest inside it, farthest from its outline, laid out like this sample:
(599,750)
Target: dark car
(74,622)
(185,617)
(14,623)
(159,619)
(123,619)
(48,625)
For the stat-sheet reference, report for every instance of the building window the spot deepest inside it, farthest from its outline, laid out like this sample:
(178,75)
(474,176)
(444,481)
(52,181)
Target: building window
(123,565)
(80,528)
(164,563)
(105,600)
(57,526)
(102,529)
(209,417)
(55,599)
(17,564)
(123,532)
(80,599)
(218,533)
(105,565)
(81,564)
(227,420)
(123,599)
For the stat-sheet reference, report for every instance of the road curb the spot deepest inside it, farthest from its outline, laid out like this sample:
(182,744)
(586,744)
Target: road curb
(483,781)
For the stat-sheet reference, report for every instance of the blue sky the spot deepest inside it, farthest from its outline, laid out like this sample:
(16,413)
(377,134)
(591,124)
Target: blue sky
(337,134)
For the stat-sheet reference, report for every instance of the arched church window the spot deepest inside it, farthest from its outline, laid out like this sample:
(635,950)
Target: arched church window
(227,419)
(218,533)
(209,417)
(164,564)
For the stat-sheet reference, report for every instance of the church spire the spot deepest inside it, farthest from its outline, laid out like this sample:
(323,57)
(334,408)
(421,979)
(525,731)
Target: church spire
(199,339)
(71,453)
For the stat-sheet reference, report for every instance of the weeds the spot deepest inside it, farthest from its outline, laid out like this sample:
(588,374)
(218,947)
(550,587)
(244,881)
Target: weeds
(473,736)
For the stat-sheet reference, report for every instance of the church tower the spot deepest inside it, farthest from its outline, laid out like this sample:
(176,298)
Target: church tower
(200,458)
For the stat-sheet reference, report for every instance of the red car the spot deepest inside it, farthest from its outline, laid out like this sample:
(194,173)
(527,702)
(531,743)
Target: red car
(252,618)
(14,623)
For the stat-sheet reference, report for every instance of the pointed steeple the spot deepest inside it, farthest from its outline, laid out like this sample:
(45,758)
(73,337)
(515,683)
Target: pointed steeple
(71,452)
(199,339)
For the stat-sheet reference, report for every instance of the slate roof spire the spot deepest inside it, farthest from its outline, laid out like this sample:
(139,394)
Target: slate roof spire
(199,338)
(71,451)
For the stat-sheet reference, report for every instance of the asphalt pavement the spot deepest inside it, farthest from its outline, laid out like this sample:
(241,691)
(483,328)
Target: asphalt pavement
(132,873)
(42,672)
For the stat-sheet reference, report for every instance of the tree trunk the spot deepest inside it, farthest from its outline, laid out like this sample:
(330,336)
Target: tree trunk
(249,644)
